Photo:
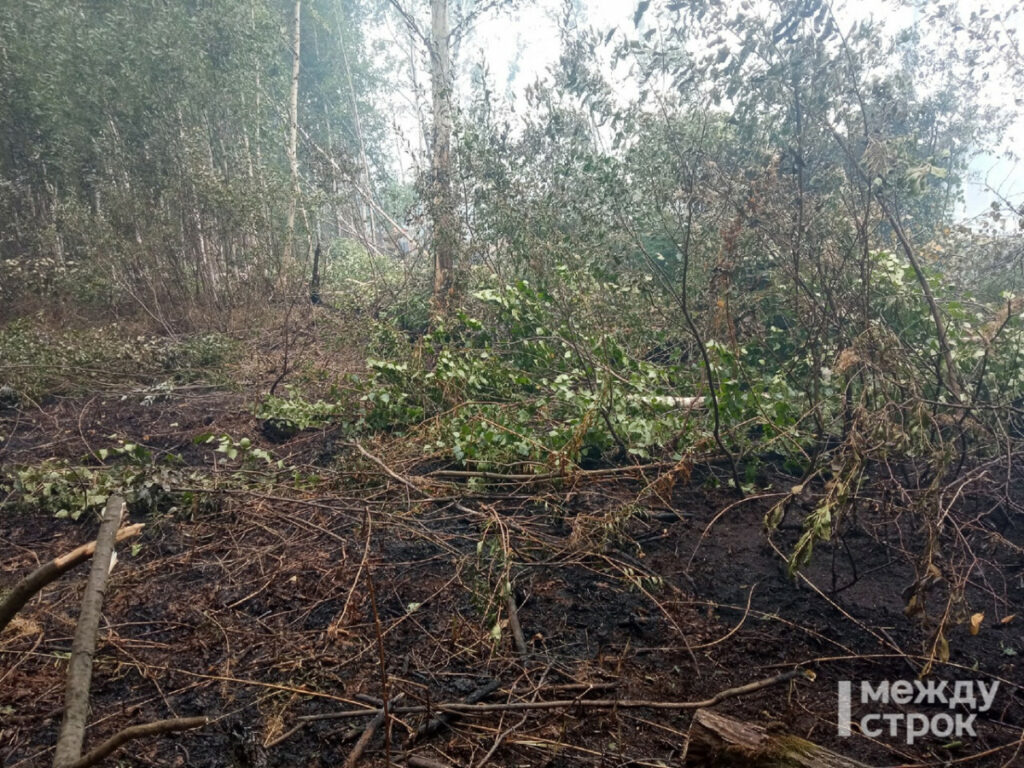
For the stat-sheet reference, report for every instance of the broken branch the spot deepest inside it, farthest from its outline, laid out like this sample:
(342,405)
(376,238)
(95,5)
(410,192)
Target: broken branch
(26,589)
(122,737)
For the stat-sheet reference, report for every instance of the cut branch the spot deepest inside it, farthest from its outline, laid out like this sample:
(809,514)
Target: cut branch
(76,700)
(371,728)
(25,589)
(516,627)
(445,718)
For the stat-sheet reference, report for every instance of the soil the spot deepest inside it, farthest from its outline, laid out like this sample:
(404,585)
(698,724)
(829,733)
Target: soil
(337,581)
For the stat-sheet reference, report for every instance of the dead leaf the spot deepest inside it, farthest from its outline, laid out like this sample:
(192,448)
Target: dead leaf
(976,621)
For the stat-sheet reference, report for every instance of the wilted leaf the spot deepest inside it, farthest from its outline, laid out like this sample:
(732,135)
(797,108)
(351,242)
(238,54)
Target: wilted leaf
(976,621)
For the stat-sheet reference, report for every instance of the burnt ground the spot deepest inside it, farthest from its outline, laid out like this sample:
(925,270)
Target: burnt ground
(270,604)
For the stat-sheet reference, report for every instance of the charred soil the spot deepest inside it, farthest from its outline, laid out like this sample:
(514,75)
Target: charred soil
(356,575)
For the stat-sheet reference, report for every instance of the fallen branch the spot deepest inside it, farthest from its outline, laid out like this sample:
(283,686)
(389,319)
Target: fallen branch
(459,708)
(435,724)
(517,628)
(371,728)
(76,698)
(122,737)
(716,739)
(514,478)
(390,472)
(27,588)
(354,732)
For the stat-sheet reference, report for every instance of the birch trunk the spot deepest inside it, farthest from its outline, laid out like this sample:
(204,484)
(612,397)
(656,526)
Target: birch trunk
(367,212)
(442,204)
(293,136)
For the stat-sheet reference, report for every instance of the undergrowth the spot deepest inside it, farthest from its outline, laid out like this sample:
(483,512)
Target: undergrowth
(37,360)
(150,482)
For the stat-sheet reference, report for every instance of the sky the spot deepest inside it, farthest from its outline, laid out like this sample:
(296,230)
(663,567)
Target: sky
(528,41)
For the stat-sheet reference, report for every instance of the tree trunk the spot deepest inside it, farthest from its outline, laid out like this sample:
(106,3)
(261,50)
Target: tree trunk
(293,137)
(369,221)
(442,203)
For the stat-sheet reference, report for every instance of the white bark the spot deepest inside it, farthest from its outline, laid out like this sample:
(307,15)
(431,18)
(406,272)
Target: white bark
(293,133)
(442,204)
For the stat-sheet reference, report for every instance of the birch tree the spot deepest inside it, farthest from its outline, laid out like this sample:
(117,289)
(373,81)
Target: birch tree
(441,204)
(441,44)
(293,134)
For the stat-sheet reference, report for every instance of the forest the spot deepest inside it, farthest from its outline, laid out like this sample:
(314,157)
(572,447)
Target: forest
(484,383)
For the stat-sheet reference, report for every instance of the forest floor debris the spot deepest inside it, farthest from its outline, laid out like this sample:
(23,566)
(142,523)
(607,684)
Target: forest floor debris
(272,610)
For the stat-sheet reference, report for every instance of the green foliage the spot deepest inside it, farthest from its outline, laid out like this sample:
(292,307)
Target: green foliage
(69,491)
(356,281)
(38,361)
(523,386)
(150,482)
(298,411)
(232,450)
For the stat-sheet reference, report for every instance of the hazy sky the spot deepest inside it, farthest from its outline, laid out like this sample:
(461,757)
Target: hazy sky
(529,41)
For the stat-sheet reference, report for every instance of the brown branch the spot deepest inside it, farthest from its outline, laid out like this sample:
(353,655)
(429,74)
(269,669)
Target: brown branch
(417,761)
(371,728)
(515,626)
(76,698)
(51,571)
(410,22)
(390,472)
(460,708)
(122,737)
(511,478)
(716,739)
(445,718)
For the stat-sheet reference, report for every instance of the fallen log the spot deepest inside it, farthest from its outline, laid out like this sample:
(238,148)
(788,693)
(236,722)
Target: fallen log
(720,741)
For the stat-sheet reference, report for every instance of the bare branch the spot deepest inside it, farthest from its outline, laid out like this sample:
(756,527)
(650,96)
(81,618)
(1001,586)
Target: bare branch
(410,22)
(25,589)
(119,739)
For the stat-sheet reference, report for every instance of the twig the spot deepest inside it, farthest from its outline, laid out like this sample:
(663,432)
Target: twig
(122,737)
(459,708)
(499,740)
(388,471)
(513,622)
(371,728)
(285,736)
(383,667)
(435,724)
(514,478)
(51,571)
(359,572)
(76,703)
(415,761)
